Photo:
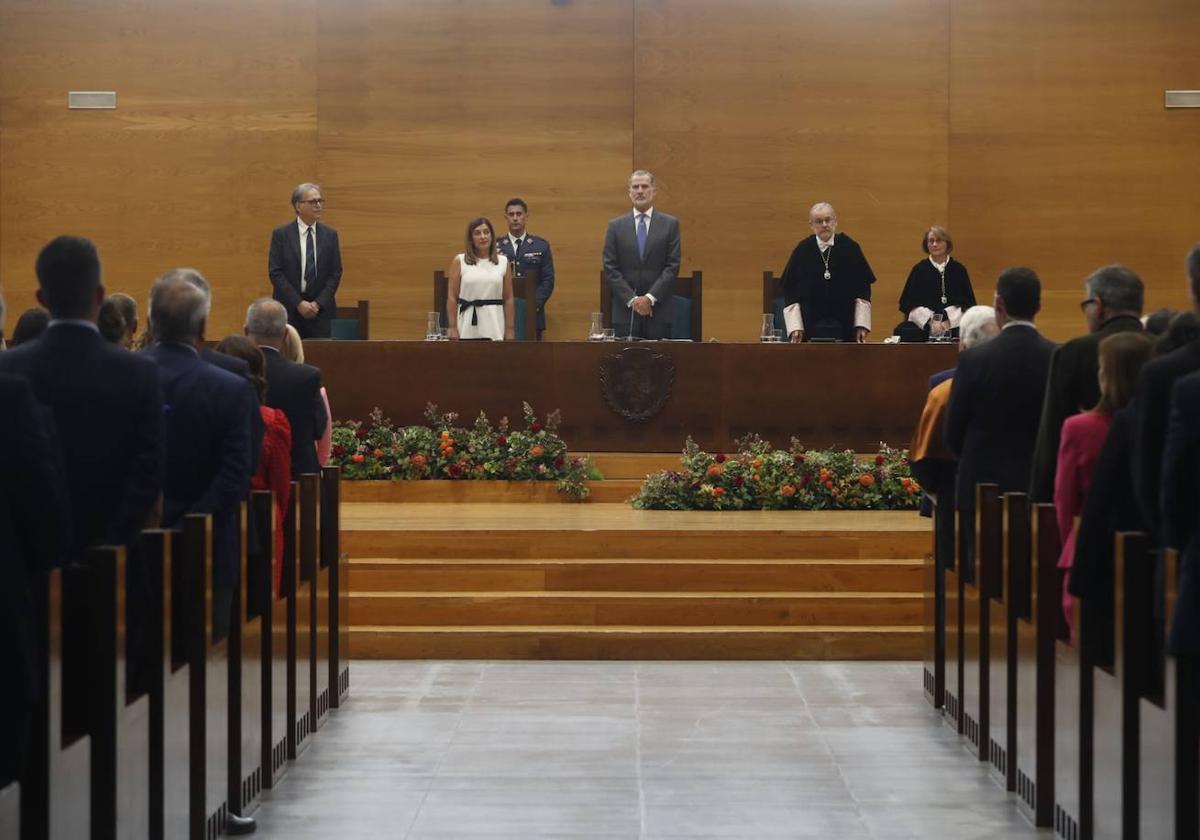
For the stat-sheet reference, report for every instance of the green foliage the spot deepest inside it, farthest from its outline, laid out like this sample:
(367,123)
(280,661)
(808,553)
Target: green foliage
(758,477)
(376,449)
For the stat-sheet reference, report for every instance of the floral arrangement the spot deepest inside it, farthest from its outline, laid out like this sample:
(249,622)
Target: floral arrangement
(376,449)
(758,477)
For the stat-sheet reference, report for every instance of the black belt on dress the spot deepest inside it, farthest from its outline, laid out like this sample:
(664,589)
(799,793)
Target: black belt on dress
(473,305)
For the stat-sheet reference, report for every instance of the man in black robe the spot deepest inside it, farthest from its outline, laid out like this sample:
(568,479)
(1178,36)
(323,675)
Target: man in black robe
(827,284)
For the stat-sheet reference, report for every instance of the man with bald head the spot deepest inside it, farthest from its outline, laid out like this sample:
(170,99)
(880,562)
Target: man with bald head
(207,413)
(292,387)
(827,284)
(305,265)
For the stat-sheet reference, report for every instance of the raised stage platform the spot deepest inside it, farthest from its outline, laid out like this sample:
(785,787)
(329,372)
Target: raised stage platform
(603,581)
(826,395)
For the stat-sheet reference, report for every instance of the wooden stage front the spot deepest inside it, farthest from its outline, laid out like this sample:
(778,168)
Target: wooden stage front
(826,395)
(525,576)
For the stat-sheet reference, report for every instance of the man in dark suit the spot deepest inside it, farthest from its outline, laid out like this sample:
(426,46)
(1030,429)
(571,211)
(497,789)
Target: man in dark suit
(292,387)
(1150,406)
(305,265)
(996,398)
(529,255)
(35,528)
(208,413)
(641,262)
(105,401)
(1113,304)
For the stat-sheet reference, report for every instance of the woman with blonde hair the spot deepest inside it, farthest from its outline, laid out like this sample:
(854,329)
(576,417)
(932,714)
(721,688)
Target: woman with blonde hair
(293,350)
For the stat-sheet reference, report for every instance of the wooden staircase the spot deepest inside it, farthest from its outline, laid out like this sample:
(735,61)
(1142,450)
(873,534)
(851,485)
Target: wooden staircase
(498,572)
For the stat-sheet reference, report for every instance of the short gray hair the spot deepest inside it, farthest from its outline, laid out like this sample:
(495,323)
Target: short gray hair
(196,279)
(299,192)
(973,323)
(266,318)
(813,209)
(177,307)
(1118,287)
(643,173)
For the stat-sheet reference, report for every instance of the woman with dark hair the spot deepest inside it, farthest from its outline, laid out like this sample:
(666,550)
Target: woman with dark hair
(30,325)
(1083,435)
(275,462)
(938,291)
(479,297)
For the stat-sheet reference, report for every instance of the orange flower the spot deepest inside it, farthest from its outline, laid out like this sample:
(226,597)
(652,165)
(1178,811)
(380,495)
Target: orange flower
(357,458)
(718,492)
(447,451)
(866,479)
(787,490)
(828,484)
(756,463)
(904,482)
(417,460)
(825,474)
(715,470)
(378,453)
(536,451)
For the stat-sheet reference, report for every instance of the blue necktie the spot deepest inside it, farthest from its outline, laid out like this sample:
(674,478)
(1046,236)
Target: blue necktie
(641,234)
(310,260)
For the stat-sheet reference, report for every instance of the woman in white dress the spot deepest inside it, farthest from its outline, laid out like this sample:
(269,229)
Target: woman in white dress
(479,298)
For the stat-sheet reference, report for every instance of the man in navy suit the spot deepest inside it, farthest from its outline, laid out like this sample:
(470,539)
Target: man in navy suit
(996,399)
(305,265)
(292,387)
(207,413)
(641,261)
(529,255)
(1180,496)
(105,401)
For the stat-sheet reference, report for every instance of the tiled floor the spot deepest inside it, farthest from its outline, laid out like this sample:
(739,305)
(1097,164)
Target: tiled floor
(637,750)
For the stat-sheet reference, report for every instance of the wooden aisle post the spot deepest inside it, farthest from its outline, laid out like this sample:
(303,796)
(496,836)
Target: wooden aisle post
(208,695)
(952,697)
(299,612)
(339,586)
(977,620)
(69,747)
(1117,688)
(170,743)
(244,751)
(120,719)
(318,617)
(1039,625)
(274,644)
(934,672)
(1074,726)
(1009,595)
(1161,746)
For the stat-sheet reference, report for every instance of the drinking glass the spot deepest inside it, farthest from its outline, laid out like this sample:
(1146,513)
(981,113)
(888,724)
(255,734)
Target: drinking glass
(768,327)
(433,324)
(609,334)
(596,330)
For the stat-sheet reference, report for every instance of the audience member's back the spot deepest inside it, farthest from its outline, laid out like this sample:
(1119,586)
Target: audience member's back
(105,401)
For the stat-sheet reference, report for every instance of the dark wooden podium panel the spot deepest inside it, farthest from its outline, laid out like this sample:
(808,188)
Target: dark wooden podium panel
(827,395)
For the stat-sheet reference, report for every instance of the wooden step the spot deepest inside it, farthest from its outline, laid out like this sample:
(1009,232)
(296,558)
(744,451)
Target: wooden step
(706,643)
(491,492)
(635,575)
(606,544)
(633,465)
(662,609)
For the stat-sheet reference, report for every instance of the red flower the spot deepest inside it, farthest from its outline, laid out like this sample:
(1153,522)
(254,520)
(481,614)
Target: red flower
(738,481)
(502,441)
(455,470)
(357,458)
(721,458)
(879,459)
(558,463)
(804,480)
(798,458)
(360,433)
(718,492)
(339,450)
(535,426)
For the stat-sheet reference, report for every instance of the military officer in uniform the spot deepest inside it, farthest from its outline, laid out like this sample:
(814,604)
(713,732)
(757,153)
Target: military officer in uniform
(530,255)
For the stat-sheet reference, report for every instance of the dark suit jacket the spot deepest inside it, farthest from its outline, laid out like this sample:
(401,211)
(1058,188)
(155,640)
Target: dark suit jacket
(1150,406)
(1071,388)
(35,529)
(537,259)
(995,404)
(207,415)
(296,389)
(257,427)
(630,275)
(107,409)
(1180,507)
(283,267)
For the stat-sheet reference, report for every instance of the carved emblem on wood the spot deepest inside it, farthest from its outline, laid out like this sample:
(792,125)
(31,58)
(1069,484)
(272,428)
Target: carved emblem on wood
(637,382)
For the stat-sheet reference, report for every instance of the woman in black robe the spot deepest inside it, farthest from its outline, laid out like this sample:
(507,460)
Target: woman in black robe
(937,293)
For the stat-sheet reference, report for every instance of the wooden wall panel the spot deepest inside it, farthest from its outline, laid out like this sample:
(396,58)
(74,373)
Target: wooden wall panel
(1062,155)
(214,123)
(751,112)
(434,113)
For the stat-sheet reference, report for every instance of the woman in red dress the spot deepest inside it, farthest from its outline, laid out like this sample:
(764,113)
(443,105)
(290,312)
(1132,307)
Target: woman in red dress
(1121,357)
(275,462)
